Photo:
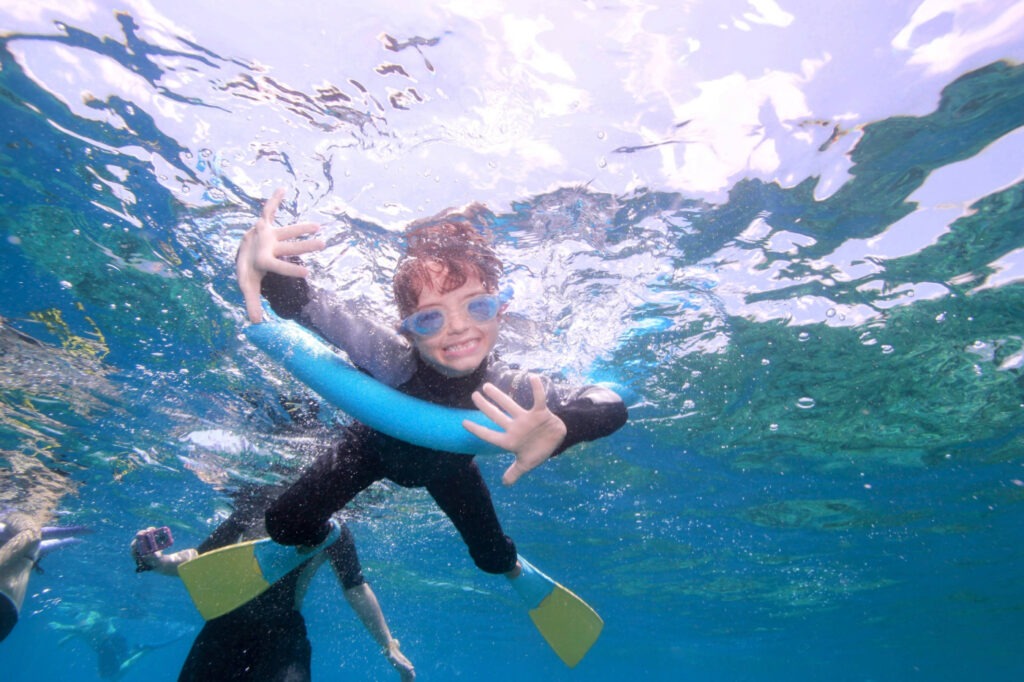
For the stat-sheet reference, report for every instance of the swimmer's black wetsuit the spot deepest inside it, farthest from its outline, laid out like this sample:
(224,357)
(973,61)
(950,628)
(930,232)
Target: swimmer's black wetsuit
(264,640)
(362,456)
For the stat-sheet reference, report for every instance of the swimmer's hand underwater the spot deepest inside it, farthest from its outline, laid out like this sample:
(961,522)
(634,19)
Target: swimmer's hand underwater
(531,434)
(164,564)
(263,250)
(398,660)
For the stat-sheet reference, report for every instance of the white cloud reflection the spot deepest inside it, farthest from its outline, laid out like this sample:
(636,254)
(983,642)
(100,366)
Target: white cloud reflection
(974,26)
(769,13)
(523,96)
(39,12)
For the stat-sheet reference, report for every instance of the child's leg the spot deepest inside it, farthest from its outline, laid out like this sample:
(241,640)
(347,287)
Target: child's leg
(462,494)
(299,516)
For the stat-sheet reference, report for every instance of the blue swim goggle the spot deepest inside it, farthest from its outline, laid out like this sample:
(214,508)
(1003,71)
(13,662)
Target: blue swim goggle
(424,323)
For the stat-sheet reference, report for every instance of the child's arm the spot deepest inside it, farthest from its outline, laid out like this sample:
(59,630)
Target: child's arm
(364,602)
(374,348)
(267,265)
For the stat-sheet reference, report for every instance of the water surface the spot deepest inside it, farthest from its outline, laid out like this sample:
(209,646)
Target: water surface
(792,232)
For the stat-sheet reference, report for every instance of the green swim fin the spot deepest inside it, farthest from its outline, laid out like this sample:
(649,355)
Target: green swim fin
(222,580)
(567,623)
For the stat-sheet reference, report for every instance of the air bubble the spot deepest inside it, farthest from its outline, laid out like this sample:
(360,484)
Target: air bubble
(805,403)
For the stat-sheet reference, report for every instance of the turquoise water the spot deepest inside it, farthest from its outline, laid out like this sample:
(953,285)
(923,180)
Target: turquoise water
(794,233)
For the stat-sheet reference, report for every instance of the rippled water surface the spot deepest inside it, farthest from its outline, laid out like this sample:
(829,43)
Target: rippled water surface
(792,231)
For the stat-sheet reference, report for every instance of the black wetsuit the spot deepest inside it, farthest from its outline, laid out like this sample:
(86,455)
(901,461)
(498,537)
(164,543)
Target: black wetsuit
(264,640)
(362,456)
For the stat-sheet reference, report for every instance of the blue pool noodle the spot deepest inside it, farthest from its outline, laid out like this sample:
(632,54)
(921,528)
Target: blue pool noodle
(364,398)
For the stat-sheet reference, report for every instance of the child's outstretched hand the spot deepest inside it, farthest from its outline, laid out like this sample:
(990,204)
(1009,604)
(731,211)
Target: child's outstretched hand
(532,435)
(261,251)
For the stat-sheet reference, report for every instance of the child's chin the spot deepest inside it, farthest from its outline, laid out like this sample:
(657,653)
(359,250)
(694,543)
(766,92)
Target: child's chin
(457,367)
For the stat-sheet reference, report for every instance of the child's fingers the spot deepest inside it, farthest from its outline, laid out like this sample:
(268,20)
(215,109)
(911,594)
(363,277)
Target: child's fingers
(502,399)
(512,474)
(254,308)
(283,267)
(270,208)
(297,248)
(250,287)
(297,230)
(540,398)
(483,433)
(496,414)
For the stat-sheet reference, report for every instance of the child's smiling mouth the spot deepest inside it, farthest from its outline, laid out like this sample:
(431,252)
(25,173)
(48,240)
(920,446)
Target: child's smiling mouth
(462,346)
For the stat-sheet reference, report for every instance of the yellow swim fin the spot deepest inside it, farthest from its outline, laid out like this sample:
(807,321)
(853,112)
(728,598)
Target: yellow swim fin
(568,624)
(221,580)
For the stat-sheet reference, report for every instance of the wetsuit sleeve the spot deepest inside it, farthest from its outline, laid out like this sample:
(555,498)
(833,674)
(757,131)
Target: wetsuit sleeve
(594,412)
(374,348)
(286,295)
(345,561)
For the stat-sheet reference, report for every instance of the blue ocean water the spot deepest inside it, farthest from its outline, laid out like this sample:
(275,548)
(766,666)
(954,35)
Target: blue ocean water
(794,233)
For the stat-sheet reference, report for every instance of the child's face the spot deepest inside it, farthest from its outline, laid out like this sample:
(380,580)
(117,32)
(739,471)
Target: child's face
(463,342)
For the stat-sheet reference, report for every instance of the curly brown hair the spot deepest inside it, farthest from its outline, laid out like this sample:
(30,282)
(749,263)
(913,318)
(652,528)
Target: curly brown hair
(449,245)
